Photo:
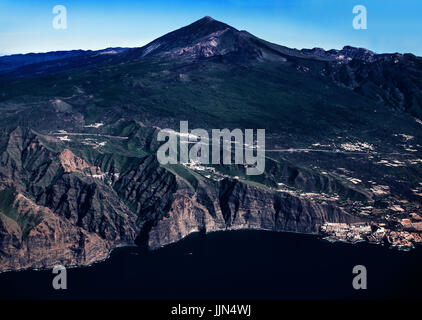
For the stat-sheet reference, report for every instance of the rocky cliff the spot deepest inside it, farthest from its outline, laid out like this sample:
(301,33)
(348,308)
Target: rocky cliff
(56,208)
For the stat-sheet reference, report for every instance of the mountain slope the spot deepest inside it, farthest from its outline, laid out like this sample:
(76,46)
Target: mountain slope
(19,65)
(78,170)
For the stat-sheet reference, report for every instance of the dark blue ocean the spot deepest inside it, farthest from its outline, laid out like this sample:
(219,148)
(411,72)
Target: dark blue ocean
(233,265)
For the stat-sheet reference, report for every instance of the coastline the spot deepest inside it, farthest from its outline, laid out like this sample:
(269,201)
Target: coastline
(318,236)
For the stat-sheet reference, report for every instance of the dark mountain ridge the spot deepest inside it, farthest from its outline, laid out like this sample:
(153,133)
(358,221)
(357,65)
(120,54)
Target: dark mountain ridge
(14,62)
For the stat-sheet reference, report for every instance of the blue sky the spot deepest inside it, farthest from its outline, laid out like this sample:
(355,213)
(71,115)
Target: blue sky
(393,26)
